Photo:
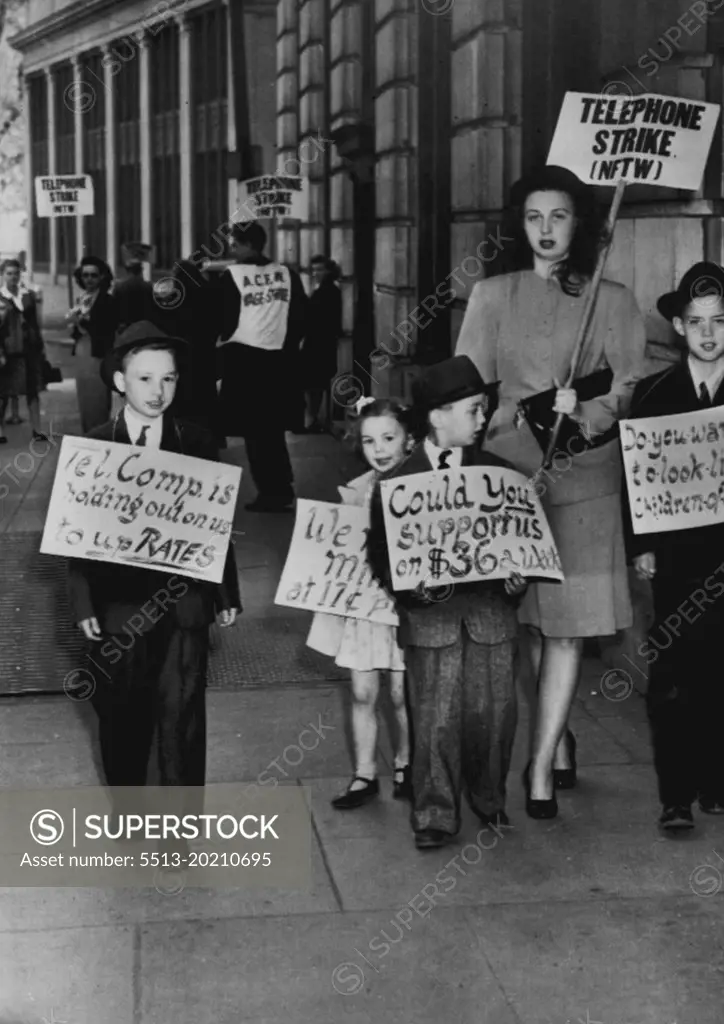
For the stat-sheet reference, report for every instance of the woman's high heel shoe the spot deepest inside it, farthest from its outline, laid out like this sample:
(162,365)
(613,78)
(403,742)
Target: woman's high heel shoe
(565,778)
(538,809)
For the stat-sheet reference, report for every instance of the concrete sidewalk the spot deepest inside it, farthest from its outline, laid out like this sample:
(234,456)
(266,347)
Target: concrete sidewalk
(593,917)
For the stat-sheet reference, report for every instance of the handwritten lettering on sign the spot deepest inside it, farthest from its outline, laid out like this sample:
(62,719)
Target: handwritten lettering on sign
(466,525)
(326,568)
(141,506)
(650,139)
(675,470)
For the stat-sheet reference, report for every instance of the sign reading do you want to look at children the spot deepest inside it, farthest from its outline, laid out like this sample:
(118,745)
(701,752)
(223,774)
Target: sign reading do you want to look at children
(143,507)
(675,470)
(326,568)
(647,139)
(464,526)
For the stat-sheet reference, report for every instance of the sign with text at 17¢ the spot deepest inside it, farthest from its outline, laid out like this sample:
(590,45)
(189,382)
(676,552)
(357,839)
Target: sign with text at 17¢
(141,507)
(466,526)
(645,140)
(64,195)
(327,569)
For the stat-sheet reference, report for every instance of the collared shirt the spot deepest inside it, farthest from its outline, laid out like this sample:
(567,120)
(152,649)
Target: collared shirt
(134,425)
(17,299)
(454,459)
(712,382)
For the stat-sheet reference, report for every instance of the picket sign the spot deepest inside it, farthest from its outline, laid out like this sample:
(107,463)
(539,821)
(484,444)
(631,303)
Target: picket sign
(647,139)
(675,470)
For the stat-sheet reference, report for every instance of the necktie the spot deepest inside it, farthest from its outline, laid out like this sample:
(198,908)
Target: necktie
(442,461)
(142,436)
(704,394)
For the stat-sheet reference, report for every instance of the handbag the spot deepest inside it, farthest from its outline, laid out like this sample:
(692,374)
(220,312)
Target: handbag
(537,410)
(51,374)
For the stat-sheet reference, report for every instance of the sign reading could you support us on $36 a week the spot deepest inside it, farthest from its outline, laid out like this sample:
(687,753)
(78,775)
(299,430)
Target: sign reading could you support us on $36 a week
(464,526)
(675,470)
(144,507)
(647,139)
(326,568)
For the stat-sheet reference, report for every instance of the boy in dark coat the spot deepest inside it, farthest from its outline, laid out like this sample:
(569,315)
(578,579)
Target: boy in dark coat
(686,567)
(155,680)
(460,646)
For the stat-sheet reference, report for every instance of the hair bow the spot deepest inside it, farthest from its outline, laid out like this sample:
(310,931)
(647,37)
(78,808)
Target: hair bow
(362,402)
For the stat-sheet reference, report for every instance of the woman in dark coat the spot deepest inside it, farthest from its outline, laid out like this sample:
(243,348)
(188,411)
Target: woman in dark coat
(319,353)
(21,345)
(94,319)
(188,307)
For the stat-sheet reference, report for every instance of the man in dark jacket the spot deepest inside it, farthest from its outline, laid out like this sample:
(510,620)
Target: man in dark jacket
(134,295)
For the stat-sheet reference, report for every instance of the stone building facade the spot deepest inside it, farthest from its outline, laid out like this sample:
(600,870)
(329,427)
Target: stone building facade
(145,98)
(433,108)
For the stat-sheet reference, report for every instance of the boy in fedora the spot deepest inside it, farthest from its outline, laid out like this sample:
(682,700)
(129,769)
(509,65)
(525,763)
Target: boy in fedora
(685,697)
(460,647)
(153,679)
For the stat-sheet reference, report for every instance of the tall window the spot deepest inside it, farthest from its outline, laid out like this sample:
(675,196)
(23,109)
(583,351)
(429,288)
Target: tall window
(128,201)
(37,94)
(209,88)
(165,161)
(65,156)
(94,151)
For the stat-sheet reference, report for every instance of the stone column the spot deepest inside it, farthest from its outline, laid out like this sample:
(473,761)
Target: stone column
(109,91)
(145,127)
(185,134)
(50,84)
(78,103)
(29,171)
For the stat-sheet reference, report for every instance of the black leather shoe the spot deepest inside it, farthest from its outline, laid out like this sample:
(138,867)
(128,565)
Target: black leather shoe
(676,818)
(352,798)
(541,810)
(431,839)
(710,805)
(498,820)
(565,778)
(402,783)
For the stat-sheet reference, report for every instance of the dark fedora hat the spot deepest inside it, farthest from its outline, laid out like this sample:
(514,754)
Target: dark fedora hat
(550,178)
(449,381)
(703,281)
(139,335)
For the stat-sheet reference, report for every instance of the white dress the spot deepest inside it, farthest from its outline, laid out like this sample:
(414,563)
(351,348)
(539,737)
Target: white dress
(357,643)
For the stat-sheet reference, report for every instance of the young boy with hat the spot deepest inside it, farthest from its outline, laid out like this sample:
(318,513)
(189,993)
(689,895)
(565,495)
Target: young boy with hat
(685,697)
(460,647)
(158,682)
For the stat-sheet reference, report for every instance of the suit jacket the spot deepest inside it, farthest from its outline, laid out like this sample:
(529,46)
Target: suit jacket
(114,593)
(488,613)
(101,324)
(134,301)
(694,552)
(20,332)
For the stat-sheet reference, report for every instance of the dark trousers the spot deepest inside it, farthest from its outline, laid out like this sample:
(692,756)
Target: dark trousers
(157,687)
(685,697)
(464,715)
(270,465)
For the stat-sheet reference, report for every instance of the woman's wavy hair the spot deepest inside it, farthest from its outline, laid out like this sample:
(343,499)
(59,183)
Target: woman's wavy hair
(588,237)
(378,407)
(101,266)
(331,266)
